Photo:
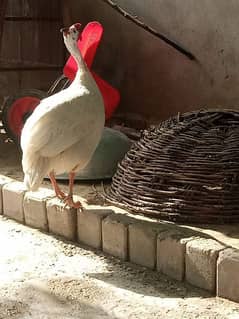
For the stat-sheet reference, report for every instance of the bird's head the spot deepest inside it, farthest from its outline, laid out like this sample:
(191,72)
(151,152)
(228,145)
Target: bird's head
(71,34)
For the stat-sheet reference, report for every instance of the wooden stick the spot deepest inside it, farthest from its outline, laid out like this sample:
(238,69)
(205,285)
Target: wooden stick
(151,30)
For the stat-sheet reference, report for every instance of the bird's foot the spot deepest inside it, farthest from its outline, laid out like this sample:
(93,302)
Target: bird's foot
(68,200)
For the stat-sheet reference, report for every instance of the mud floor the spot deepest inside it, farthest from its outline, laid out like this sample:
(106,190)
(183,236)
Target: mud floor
(45,277)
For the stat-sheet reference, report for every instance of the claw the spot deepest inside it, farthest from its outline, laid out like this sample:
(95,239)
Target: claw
(68,200)
(61,195)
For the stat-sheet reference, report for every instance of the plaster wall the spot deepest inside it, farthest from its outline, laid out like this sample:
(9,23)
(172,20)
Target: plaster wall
(154,79)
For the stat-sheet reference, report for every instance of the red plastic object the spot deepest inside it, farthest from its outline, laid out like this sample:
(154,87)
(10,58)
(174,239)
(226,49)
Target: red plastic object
(110,95)
(88,44)
(17,108)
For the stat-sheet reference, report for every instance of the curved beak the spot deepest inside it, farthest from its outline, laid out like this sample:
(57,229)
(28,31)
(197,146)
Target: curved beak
(64,30)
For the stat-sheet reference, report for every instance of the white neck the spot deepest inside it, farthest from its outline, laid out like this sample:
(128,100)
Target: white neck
(81,65)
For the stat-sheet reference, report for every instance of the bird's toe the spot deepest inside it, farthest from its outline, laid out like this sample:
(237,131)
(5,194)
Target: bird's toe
(68,200)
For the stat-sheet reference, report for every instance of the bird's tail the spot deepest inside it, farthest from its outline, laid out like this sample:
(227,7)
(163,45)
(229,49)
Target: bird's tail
(35,169)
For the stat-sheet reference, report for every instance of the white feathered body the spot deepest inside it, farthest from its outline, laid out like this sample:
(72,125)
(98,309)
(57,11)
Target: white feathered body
(62,133)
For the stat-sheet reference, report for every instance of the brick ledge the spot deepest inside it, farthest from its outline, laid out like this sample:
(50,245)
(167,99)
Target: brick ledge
(174,250)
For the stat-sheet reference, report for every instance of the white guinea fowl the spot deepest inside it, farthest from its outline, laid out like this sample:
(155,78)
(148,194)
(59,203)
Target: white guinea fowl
(62,133)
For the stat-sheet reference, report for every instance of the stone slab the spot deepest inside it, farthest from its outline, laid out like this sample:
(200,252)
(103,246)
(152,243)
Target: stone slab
(89,226)
(115,235)
(13,195)
(171,249)
(34,206)
(3,181)
(62,220)
(201,262)
(228,274)
(142,243)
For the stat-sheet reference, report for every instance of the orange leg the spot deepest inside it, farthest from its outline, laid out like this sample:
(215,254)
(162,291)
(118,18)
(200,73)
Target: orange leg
(69,198)
(56,187)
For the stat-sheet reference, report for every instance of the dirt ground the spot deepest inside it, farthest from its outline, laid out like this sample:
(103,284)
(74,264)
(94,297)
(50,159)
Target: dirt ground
(44,277)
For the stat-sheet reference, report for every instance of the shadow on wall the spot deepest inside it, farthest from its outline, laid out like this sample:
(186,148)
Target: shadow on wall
(155,80)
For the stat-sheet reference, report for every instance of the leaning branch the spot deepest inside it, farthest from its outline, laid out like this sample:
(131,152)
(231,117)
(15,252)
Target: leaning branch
(151,30)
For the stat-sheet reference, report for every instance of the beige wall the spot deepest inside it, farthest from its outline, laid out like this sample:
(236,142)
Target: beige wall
(154,79)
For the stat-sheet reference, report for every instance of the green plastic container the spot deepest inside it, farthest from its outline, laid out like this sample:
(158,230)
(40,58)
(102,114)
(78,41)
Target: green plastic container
(103,164)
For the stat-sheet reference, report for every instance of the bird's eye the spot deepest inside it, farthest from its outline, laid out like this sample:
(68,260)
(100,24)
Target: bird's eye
(74,31)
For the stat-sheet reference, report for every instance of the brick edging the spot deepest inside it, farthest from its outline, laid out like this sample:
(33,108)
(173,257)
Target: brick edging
(174,250)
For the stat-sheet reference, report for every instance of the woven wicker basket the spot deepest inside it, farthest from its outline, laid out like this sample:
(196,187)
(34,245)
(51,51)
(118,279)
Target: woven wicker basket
(186,169)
